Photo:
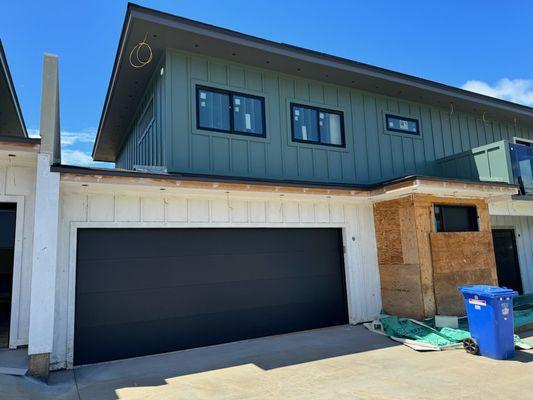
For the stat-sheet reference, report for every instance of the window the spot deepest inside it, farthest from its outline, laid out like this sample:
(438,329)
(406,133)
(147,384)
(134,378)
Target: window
(231,112)
(455,218)
(316,125)
(406,125)
(146,119)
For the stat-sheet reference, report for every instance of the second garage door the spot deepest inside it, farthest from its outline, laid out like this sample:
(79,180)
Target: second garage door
(148,291)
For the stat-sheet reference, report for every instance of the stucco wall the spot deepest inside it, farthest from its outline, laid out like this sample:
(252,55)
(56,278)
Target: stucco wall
(104,205)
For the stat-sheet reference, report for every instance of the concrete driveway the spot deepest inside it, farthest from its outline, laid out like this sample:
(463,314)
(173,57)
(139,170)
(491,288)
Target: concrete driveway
(345,362)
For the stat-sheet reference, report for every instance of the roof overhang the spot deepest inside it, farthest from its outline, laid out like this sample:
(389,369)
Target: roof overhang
(168,31)
(11,120)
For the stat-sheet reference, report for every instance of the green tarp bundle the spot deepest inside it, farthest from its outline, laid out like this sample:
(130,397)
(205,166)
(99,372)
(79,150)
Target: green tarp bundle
(409,329)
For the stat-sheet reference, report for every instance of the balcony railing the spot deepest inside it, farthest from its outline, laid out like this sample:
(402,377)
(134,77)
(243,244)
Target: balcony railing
(495,162)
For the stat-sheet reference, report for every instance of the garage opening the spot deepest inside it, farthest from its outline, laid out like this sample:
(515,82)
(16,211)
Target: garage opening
(8,214)
(149,291)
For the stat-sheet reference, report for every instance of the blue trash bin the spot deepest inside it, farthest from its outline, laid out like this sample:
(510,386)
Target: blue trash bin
(490,319)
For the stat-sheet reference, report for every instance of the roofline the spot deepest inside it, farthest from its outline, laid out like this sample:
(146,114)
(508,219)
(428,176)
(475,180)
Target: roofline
(304,54)
(5,65)
(79,170)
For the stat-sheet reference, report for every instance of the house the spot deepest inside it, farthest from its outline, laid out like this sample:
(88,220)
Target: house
(259,189)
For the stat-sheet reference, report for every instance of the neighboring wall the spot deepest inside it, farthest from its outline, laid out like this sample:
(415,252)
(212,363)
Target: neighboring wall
(421,269)
(523,226)
(112,205)
(371,154)
(146,147)
(17,184)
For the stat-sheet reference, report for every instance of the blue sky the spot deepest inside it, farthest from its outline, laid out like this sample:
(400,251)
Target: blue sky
(484,46)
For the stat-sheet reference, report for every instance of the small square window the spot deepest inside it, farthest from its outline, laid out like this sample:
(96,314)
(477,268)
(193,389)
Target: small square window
(456,218)
(316,125)
(406,125)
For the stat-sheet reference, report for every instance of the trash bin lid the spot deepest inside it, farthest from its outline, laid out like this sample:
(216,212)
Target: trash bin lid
(488,291)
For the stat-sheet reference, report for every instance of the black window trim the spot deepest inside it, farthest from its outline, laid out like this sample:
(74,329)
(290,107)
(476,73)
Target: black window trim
(475,217)
(415,120)
(230,94)
(143,135)
(318,110)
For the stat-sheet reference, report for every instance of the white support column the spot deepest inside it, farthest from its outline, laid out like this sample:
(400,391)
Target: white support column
(45,236)
(43,278)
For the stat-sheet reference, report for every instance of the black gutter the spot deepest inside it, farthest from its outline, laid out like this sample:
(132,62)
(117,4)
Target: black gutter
(71,169)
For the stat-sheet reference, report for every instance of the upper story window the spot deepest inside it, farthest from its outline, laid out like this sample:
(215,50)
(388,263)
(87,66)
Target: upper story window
(456,218)
(317,125)
(399,124)
(231,112)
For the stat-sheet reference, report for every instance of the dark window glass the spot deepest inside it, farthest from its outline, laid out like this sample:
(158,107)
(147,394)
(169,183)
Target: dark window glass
(304,122)
(330,128)
(146,118)
(247,114)
(213,110)
(402,124)
(315,125)
(456,218)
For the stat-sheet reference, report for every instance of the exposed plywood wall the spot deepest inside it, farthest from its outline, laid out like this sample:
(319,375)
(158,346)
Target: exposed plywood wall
(421,269)
(463,258)
(398,257)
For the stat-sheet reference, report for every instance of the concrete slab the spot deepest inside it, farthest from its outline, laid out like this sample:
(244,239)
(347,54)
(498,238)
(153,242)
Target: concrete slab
(14,362)
(333,363)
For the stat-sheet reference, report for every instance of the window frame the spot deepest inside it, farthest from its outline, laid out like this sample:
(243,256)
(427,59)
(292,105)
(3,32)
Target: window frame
(404,132)
(230,94)
(474,217)
(318,110)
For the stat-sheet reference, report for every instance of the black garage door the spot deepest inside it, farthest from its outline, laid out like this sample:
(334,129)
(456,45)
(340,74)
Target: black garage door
(147,291)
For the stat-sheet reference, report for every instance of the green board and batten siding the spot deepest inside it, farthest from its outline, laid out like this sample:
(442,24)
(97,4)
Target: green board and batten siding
(371,154)
(146,148)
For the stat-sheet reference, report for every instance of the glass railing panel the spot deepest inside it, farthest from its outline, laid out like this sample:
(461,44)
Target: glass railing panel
(522,163)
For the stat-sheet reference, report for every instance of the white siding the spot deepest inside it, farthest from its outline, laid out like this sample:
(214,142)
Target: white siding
(139,206)
(524,242)
(17,184)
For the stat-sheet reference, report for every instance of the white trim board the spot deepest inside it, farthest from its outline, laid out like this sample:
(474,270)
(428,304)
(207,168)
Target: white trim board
(14,340)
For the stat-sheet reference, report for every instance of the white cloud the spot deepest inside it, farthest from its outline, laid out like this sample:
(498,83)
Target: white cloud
(75,157)
(516,90)
(76,147)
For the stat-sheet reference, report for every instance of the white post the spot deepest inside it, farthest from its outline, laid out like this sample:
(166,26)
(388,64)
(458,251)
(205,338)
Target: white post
(44,265)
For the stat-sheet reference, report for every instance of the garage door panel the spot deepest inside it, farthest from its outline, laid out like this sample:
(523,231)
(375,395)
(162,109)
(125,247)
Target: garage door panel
(169,302)
(206,241)
(103,275)
(159,336)
(178,299)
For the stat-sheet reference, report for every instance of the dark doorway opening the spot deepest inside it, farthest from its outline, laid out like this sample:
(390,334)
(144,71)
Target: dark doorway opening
(507,265)
(8,215)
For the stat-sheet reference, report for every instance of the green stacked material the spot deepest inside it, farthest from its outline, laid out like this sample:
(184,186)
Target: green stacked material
(523,310)
(409,329)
